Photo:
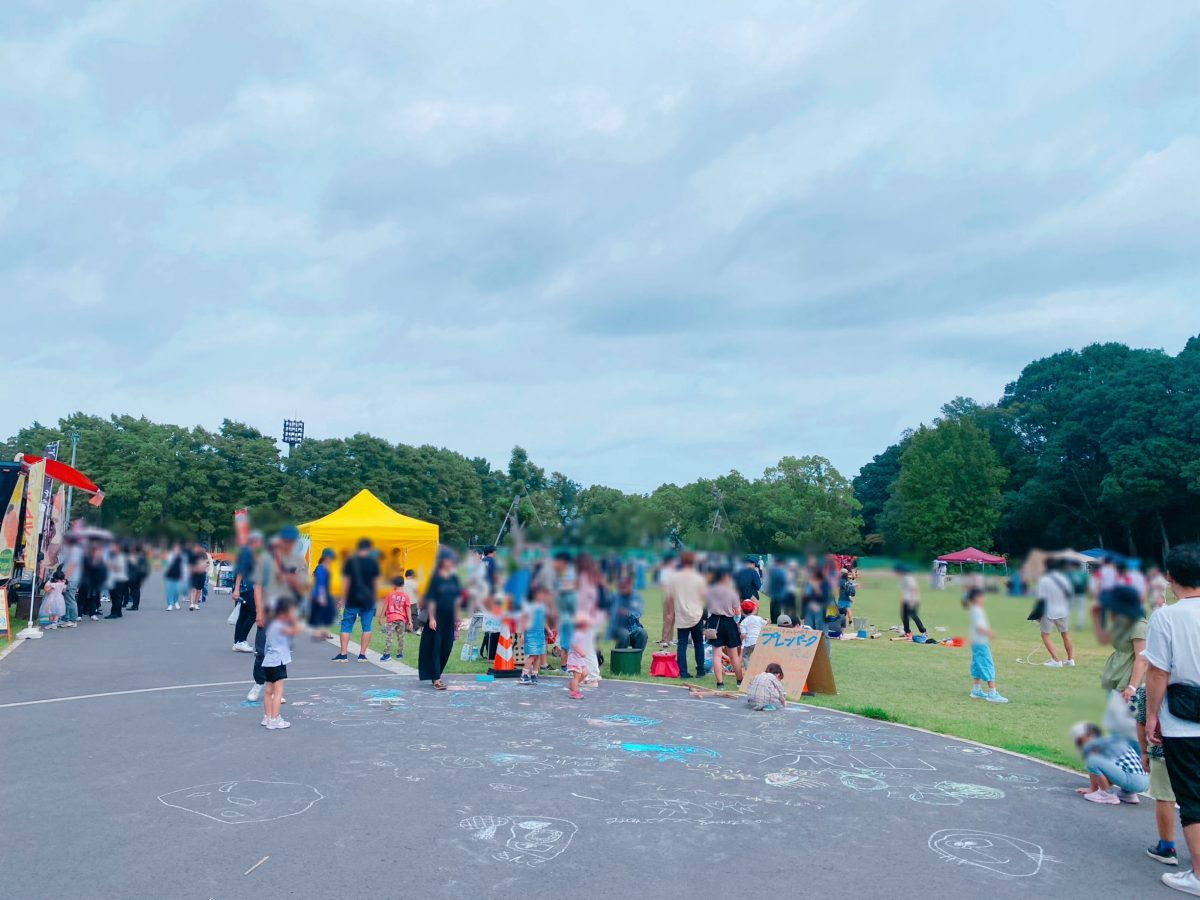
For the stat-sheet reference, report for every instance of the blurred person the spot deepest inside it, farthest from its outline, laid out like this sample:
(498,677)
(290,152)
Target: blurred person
(577,662)
(815,600)
(777,587)
(197,575)
(282,574)
(1156,588)
(723,604)
(910,601)
(1080,583)
(748,579)
(665,573)
(688,589)
(1173,699)
(478,593)
(95,575)
(243,590)
(845,600)
(1054,590)
(1112,762)
(175,575)
(321,606)
(397,619)
(118,580)
(627,630)
(1160,788)
(983,666)
(1119,620)
(565,599)
(139,569)
(766,690)
(750,627)
(437,635)
(73,570)
(54,604)
(1136,579)
(534,619)
(277,654)
(359,576)
(590,605)
(491,576)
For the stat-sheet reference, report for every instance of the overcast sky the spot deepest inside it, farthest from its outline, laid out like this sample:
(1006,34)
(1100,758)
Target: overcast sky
(647,241)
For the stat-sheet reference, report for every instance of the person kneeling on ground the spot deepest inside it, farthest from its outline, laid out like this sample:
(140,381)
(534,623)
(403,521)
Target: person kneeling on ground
(766,690)
(1112,762)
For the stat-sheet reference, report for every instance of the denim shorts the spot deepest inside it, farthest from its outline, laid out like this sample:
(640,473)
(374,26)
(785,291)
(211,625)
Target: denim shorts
(364,615)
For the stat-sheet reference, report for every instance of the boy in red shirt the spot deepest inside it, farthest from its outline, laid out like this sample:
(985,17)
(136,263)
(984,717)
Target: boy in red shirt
(397,616)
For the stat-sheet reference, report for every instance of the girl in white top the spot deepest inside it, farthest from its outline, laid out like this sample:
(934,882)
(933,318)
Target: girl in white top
(277,655)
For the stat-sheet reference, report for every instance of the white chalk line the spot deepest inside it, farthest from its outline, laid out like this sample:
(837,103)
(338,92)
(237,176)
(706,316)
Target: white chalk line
(174,687)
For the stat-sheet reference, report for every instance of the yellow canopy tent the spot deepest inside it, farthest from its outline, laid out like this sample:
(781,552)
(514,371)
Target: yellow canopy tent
(403,542)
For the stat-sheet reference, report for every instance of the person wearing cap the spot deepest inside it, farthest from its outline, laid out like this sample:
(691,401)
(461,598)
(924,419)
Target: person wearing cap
(281,572)
(750,627)
(243,590)
(360,573)
(321,607)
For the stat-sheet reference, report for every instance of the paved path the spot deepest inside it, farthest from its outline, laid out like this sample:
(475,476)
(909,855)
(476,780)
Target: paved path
(384,787)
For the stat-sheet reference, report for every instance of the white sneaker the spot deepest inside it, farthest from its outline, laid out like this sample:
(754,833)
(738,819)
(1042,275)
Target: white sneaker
(1186,882)
(95,618)
(1068,663)
(266,720)
(277,723)
(1053,664)
(256,693)
(242,647)
(282,700)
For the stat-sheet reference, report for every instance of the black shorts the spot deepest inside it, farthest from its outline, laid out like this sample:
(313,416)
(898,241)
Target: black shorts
(197,581)
(727,631)
(1183,765)
(272,674)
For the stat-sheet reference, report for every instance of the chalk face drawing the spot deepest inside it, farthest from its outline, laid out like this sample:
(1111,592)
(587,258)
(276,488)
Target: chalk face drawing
(528,841)
(997,853)
(244,802)
(664,753)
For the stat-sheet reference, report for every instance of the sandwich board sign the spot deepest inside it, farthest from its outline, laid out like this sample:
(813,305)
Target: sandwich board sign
(803,653)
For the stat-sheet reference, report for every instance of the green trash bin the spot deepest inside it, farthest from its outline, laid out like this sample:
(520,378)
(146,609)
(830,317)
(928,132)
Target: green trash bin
(625,662)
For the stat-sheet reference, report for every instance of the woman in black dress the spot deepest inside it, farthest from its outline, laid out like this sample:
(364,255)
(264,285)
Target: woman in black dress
(437,635)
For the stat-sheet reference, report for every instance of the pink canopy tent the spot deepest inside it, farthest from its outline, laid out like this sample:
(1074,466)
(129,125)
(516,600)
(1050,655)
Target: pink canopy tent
(974,555)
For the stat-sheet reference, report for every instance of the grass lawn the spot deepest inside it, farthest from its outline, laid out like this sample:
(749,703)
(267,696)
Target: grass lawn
(928,686)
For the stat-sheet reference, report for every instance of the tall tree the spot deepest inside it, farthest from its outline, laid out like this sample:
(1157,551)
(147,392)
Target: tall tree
(948,489)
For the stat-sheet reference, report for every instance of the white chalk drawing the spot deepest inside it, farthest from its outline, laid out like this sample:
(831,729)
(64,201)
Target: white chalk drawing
(986,768)
(1013,778)
(931,796)
(660,809)
(244,802)
(529,841)
(862,781)
(426,748)
(720,773)
(505,788)
(969,791)
(459,762)
(997,853)
(794,778)
(967,749)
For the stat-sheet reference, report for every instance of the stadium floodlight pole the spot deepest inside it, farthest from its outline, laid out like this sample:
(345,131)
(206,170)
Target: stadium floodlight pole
(511,514)
(293,433)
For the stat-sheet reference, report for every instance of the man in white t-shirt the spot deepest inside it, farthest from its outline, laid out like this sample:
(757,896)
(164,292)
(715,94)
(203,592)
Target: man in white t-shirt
(1173,699)
(1055,590)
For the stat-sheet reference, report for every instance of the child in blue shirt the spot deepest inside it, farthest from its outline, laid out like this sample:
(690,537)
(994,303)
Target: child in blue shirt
(534,615)
(983,667)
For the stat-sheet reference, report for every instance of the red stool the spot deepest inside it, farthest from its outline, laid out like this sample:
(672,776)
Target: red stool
(664,664)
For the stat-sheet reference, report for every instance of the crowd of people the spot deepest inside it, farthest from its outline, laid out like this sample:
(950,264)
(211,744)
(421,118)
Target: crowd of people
(87,575)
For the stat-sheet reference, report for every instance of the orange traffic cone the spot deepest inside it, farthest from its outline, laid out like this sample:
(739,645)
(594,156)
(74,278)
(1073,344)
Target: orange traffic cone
(502,664)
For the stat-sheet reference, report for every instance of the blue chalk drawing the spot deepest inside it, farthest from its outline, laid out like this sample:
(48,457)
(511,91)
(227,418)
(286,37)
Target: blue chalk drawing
(624,719)
(663,754)
(246,704)
(383,693)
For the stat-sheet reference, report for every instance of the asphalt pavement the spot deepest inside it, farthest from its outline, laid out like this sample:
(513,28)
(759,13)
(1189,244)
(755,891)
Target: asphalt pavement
(159,782)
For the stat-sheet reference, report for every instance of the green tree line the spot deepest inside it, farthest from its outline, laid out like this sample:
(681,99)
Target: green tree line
(163,480)
(1095,447)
